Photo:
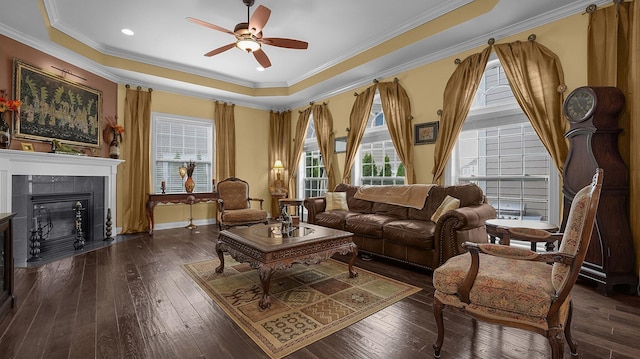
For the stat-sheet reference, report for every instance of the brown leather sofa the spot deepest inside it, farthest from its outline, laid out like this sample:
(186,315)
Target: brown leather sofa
(408,234)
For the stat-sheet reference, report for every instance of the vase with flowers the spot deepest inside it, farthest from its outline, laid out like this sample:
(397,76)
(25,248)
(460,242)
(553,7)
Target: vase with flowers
(189,184)
(117,131)
(6,107)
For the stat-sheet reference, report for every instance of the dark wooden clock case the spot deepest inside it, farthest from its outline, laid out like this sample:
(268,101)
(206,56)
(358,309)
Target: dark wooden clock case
(593,143)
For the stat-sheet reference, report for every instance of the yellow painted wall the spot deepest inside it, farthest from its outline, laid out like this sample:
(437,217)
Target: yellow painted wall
(252,157)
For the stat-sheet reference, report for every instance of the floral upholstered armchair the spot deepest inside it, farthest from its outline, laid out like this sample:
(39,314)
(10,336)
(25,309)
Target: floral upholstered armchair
(234,205)
(517,287)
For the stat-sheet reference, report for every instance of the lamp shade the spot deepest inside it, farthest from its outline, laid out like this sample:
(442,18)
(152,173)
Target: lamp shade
(278,165)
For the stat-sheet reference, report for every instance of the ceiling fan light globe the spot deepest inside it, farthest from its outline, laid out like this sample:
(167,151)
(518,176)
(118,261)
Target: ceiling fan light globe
(248,45)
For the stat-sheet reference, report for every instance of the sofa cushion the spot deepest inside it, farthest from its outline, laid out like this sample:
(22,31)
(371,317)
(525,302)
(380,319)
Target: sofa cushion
(410,232)
(447,204)
(389,210)
(468,194)
(333,219)
(355,205)
(336,201)
(369,225)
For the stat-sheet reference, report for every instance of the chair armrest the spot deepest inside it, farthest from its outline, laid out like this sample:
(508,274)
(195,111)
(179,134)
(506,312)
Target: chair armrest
(314,205)
(257,200)
(503,251)
(509,252)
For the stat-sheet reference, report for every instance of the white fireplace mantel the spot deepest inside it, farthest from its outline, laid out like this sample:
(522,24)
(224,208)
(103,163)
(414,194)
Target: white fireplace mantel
(13,162)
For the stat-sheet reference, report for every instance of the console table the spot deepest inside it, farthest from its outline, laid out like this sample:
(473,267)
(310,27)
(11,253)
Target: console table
(184,198)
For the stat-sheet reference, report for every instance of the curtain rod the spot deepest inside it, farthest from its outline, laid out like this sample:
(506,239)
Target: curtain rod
(492,41)
(138,87)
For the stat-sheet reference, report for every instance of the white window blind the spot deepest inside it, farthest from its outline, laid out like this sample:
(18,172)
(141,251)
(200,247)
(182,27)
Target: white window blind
(176,140)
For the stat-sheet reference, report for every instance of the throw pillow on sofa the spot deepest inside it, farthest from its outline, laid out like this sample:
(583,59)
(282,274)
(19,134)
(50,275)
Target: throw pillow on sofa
(336,201)
(447,204)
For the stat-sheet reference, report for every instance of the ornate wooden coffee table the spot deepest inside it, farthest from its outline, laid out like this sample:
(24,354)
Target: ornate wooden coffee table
(267,249)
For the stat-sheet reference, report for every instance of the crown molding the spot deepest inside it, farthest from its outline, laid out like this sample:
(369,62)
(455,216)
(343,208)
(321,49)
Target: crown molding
(434,13)
(339,87)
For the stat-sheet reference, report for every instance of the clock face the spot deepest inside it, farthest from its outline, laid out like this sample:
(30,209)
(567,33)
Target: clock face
(580,104)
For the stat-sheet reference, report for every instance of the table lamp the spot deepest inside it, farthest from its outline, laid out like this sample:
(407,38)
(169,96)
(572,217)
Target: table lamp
(278,184)
(278,166)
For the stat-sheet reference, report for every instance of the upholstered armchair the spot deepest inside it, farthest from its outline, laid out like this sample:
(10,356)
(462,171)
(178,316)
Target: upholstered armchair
(517,287)
(234,205)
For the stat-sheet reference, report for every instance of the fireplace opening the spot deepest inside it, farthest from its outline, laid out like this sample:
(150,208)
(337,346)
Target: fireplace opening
(53,222)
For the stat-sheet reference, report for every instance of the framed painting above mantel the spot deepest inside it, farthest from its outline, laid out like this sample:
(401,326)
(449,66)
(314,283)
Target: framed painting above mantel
(54,108)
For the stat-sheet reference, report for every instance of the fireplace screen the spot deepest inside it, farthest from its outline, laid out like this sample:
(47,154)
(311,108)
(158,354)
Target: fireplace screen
(54,222)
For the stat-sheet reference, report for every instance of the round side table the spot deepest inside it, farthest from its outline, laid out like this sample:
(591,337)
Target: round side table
(492,226)
(292,202)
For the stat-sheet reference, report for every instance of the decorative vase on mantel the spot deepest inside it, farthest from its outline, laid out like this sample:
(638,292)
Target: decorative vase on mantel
(114,147)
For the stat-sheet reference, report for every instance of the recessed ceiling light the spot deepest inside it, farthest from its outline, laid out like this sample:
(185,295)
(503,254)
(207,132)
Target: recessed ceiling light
(260,68)
(127,32)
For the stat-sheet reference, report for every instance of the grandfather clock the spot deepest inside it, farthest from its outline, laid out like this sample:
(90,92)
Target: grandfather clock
(593,114)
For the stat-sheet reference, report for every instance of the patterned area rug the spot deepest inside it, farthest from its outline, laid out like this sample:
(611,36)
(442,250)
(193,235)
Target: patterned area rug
(307,303)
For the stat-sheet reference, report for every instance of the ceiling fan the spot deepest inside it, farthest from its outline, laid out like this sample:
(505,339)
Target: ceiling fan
(249,35)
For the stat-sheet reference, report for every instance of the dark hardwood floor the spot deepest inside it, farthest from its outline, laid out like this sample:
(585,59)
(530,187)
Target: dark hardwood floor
(134,300)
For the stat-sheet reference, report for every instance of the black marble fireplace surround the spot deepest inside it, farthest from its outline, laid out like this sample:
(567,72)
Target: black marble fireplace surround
(57,194)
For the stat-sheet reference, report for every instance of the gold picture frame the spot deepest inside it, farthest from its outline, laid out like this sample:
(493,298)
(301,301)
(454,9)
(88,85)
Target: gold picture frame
(54,108)
(26,146)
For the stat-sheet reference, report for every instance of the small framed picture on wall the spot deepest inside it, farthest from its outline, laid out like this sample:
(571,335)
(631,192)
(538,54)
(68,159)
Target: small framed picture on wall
(426,133)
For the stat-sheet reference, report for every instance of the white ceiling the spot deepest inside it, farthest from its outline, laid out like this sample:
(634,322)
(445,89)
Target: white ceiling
(337,32)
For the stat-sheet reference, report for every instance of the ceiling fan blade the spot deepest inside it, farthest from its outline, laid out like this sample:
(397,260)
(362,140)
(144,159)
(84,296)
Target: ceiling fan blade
(220,49)
(211,26)
(259,19)
(287,43)
(262,58)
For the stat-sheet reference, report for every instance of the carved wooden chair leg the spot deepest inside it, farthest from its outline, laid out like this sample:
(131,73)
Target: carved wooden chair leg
(573,346)
(437,313)
(556,341)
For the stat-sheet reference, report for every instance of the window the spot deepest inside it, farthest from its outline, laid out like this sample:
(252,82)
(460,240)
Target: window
(499,150)
(176,140)
(377,160)
(312,178)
